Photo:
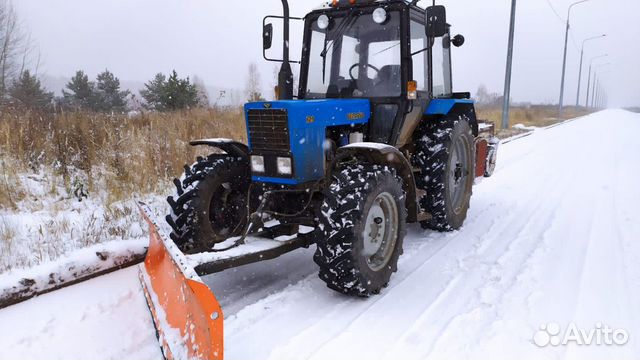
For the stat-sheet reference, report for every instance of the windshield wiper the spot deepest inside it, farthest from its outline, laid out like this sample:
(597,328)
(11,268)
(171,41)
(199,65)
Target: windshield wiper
(346,23)
(387,49)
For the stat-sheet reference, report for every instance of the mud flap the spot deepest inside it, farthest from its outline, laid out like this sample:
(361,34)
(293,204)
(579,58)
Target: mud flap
(186,314)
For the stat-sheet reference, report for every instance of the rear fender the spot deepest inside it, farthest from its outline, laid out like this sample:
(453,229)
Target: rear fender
(465,111)
(456,109)
(384,155)
(229,146)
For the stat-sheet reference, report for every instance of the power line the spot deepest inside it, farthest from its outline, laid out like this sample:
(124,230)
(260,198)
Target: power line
(563,22)
(555,12)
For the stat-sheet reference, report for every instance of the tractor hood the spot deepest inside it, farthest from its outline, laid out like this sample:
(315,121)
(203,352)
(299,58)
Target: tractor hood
(302,124)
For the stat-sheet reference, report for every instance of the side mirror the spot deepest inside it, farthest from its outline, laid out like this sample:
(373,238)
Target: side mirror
(267,36)
(458,40)
(436,21)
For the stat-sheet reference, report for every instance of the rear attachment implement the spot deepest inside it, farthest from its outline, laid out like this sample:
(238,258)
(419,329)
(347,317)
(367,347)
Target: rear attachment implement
(185,312)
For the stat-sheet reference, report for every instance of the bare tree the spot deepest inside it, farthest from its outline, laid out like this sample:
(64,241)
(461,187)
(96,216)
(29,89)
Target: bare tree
(203,93)
(253,84)
(485,97)
(15,47)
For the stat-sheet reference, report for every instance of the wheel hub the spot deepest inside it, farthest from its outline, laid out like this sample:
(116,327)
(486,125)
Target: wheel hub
(380,231)
(457,173)
(225,210)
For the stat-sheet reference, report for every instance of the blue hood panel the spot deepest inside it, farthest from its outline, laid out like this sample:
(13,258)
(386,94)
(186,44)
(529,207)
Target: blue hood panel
(308,121)
(326,112)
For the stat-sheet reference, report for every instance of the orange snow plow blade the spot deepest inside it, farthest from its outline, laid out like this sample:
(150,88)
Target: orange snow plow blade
(187,316)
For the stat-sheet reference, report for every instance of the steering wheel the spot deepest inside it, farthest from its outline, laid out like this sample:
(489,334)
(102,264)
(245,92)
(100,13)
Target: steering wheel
(356,65)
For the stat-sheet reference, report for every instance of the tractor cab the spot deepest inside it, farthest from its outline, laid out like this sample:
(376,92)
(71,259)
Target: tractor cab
(392,53)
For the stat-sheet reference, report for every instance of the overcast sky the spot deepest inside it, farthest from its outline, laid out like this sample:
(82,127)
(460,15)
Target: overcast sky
(216,40)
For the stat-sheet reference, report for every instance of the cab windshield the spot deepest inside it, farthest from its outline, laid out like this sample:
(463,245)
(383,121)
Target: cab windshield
(355,57)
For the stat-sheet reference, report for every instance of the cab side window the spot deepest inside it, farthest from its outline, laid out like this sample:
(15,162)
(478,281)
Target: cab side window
(441,62)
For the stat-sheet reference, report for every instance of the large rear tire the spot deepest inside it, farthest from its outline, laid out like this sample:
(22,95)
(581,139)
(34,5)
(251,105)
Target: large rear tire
(446,159)
(362,227)
(210,205)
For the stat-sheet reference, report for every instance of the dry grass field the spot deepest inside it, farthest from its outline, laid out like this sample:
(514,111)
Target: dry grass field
(131,154)
(529,116)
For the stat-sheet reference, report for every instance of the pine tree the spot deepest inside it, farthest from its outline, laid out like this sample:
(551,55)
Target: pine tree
(82,95)
(109,97)
(153,94)
(180,93)
(169,94)
(27,92)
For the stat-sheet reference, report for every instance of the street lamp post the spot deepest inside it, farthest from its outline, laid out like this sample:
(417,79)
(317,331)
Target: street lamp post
(581,63)
(589,81)
(564,60)
(596,83)
(595,91)
(507,79)
(602,90)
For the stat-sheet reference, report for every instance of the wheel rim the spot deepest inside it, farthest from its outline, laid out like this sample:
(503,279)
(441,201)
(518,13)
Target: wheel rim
(458,173)
(381,231)
(226,210)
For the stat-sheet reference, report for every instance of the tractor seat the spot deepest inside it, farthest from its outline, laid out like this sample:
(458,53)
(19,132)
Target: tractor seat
(387,83)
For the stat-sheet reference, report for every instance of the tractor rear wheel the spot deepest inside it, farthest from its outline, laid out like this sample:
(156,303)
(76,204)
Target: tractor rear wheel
(446,159)
(211,203)
(362,226)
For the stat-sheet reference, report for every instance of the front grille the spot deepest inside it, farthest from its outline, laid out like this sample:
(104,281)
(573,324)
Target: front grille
(269,130)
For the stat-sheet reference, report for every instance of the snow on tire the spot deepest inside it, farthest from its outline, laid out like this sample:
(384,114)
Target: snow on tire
(446,158)
(362,227)
(210,204)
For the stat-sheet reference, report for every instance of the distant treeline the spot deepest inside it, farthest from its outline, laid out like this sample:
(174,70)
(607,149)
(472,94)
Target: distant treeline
(104,95)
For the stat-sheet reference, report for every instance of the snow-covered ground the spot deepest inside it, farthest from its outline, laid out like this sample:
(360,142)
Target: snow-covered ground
(49,223)
(553,239)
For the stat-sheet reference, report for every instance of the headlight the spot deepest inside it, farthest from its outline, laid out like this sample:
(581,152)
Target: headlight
(323,22)
(257,164)
(379,15)
(284,166)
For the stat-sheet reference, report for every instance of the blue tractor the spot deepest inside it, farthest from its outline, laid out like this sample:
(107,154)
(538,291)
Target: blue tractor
(372,139)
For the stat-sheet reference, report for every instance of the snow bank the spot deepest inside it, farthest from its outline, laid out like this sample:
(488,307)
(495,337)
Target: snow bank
(82,264)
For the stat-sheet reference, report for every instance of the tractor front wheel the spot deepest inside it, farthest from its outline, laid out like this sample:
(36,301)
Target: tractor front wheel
(362,226)
(211,203)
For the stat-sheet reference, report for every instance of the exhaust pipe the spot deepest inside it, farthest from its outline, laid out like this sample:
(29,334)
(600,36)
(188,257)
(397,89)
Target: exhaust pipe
(285,77)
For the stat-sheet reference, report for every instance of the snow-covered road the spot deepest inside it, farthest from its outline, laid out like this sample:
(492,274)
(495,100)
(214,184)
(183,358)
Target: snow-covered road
(553,237)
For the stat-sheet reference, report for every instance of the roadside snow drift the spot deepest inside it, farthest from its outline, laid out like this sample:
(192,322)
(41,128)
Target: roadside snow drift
(552,243)
(104,318)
